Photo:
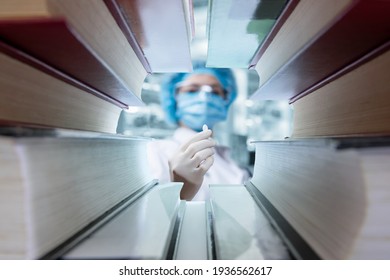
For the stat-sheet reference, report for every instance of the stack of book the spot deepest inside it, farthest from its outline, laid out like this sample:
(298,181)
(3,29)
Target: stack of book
(326,188)
(67,70)
(329,182)
(55,182)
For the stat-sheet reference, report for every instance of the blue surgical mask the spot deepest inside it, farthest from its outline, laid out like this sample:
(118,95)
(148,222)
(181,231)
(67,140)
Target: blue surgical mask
(197,108)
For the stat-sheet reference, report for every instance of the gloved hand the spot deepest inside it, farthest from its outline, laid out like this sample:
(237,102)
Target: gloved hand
(191,162)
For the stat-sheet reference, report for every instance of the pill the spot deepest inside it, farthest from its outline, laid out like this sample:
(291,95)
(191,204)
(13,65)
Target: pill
(205,127)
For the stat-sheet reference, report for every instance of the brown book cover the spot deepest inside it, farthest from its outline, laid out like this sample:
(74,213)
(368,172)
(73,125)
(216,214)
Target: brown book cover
(355,104)
(361,28)
(52,46)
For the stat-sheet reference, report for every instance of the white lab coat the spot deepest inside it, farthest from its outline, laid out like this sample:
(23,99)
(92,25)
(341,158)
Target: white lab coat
(223,171)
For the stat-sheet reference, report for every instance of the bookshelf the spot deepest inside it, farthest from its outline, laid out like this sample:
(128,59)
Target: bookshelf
(328,58)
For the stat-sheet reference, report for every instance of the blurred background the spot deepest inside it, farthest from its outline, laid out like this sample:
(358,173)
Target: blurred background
(248,119)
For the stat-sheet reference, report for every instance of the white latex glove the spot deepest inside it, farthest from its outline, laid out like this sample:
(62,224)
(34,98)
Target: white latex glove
(191,162)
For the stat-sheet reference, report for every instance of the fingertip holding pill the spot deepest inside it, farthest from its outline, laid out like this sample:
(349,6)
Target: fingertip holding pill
(205,127)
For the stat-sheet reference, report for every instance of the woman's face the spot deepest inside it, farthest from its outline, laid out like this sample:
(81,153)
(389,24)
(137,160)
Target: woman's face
(200,99)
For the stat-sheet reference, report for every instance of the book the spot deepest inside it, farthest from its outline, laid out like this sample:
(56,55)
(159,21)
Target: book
(154,26)
(241,230)
(285,13)
(146,229)
(354,104)
(55,184)
(31,97)
(93,26)
(193,238)
(65,57)
(235,30)
(332,192)
(317,40)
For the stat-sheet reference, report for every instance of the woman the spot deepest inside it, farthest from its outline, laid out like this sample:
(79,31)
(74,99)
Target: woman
(192,100)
